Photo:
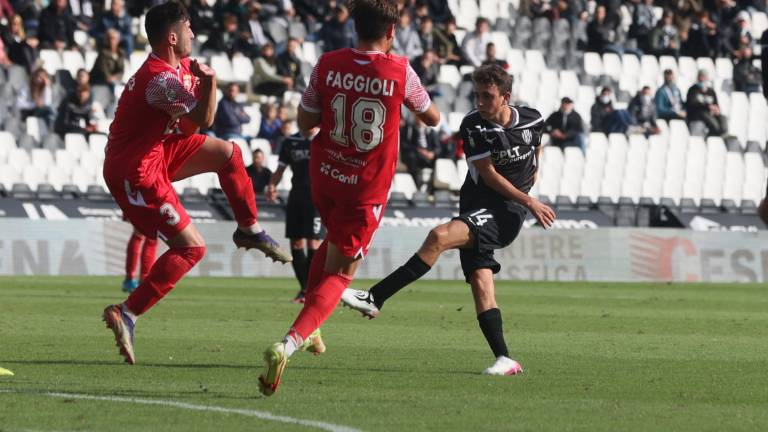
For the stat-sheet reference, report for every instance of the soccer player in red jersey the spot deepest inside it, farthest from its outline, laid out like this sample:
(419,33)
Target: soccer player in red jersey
(153,142)
(139,248)
(355,96)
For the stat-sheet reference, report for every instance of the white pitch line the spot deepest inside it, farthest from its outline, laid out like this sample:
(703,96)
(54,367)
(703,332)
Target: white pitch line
(263,415)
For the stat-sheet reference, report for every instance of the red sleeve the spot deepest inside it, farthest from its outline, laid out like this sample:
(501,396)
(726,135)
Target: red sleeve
(416,97)
(310,100)
(167,93)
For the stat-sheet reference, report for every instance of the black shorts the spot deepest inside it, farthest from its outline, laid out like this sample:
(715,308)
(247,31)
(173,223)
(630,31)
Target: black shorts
(302,220)
(493,229)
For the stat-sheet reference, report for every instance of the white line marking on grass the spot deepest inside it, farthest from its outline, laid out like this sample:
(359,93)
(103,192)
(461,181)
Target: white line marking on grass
(263,415)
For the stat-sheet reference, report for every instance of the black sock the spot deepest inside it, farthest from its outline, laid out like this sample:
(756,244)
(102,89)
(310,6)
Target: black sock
(310,254)
(490,324)
(300,266)
(398,279)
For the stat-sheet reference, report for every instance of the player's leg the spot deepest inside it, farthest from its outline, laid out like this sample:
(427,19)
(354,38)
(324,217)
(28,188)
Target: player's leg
(148,255)
(451,235)
(489,317)
(226,160)
(132,252)
(300,265)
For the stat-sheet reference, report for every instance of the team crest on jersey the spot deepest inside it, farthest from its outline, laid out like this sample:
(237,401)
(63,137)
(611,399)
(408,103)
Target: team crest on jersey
(131,83)
(527,136)
(188,82)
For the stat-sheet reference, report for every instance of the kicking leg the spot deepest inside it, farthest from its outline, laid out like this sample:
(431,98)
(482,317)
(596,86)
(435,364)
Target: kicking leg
(489,319)
(226,160)
(451,235)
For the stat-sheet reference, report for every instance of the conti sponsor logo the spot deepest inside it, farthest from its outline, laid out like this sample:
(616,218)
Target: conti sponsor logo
(680,259)
(334,173)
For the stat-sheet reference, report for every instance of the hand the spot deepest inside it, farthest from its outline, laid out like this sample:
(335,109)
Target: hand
(271,193)
(288,81)
(543,214)
(201,70)
(557,134)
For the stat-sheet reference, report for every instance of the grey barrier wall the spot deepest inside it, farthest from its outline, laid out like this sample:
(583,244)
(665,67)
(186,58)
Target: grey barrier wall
(97,247)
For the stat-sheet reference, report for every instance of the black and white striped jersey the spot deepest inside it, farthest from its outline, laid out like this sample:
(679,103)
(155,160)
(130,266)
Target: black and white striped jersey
(512,150)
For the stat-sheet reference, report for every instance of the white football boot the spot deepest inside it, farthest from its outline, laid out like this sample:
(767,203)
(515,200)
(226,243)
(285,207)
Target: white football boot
(504,366)
(361,301)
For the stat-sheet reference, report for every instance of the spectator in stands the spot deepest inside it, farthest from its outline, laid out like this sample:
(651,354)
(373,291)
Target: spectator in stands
(313,13)
(110,63)
(6,10)
(746,76)
(571,10)
(406,42)
(82,12)
(490,56)
(703,38)
(270,123)
(741,35)
(439,10)
(82,76)
(427,68)
(703,106)
(289,64)
(427,34)
(607,119)
(256,35)
(22,49)
(601,33)
(57,27)
(230,115)
(116,19)
(665,39)
(418,149)
(75,113)
(36,100)
(229,39)
(339,32)
(201,18)
(643,22)
(474,43)
(565,126)
(642,108)
(448,49)
(669,99)
(266,80)
(259,173)
(685,14)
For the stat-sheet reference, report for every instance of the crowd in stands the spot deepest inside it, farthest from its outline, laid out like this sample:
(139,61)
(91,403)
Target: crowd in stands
(270,34)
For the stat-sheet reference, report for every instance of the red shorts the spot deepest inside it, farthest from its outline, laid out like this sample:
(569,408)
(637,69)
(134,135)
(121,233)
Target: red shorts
(148,200)
(350,227)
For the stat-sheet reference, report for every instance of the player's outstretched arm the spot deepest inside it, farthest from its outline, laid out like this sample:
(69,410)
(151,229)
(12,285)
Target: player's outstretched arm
(543,214)
(431,117)
(203,113)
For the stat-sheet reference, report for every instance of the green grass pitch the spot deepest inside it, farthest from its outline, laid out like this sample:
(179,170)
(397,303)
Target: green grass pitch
(597,357)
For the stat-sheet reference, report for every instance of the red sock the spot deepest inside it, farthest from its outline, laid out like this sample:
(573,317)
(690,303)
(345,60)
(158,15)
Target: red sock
(238,188)
(320,303)
(132,255)
(317,267)
(148,251)
(168,269)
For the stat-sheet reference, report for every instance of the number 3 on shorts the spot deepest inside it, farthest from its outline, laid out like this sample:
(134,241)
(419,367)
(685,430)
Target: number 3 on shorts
(368,117)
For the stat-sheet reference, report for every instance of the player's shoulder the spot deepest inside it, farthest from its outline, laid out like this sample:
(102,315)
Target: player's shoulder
(471,119)
(527,117)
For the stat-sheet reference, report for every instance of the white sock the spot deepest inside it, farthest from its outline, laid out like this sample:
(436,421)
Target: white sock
(132,316)
(253,229)
(291,345)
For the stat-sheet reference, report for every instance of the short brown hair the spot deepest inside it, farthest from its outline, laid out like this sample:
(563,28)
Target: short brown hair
(493,74)
(373,17)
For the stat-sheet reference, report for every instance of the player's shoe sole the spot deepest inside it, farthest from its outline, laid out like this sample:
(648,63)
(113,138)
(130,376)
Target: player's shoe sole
(314,343)
(263,242)
(361,301)
(274,365)
(113,317)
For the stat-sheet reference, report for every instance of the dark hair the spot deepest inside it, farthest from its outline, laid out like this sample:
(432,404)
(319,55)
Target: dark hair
(481,20)
(161,18)
(258,150)
(493,74)
(373,18)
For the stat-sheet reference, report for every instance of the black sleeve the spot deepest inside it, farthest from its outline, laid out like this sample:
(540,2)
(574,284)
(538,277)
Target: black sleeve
(475,146)
(285,154)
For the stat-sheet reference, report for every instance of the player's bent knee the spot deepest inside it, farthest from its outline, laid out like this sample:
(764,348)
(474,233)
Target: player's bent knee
(192,254)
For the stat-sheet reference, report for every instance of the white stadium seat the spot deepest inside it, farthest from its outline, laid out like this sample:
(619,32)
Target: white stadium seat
(404,183)
(75,143)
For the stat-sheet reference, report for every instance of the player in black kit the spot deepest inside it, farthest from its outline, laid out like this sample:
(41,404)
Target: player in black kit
(502,144)
(302,223)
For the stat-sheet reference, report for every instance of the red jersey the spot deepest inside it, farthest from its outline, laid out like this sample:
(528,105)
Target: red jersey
(149,110)
(359,94)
